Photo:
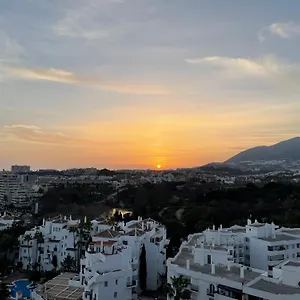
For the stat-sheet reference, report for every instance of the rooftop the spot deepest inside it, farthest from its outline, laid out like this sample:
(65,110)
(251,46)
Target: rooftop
(279,237)
(220,271)
(292,264)
(108,234)
(58,288)
(275,288)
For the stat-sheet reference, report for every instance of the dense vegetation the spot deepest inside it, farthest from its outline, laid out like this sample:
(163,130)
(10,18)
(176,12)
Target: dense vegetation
(185,207)
(188,208)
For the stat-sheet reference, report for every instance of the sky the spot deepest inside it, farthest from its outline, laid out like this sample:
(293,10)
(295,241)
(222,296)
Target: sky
(137,83)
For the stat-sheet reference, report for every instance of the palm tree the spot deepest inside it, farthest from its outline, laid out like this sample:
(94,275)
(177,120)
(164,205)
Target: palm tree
(178,290)
(39,240)
(27,239)
(74,230)
(69,264)
(4,292)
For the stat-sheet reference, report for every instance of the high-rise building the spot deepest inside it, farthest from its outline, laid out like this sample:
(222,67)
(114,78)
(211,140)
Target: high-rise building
(13,191)
(20,169)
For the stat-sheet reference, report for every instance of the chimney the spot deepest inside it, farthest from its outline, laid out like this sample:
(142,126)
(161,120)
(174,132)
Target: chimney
(248,222)
(85,219)
(70,218)
(213,268)
(102,247)
(242,272)
(143,226)
(65,218)
(214,227)
(228,266)
(44,222)
(202,244)
(188,264)
(255,221)
(221,226)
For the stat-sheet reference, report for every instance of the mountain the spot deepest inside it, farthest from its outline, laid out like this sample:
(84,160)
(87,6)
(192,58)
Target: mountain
(286,150)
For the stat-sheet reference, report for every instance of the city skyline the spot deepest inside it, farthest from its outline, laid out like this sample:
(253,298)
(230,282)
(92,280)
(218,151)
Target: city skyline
(141,83)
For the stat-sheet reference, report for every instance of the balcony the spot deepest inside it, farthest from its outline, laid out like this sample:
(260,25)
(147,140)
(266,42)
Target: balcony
(131,284)
(194,288)
(210,292)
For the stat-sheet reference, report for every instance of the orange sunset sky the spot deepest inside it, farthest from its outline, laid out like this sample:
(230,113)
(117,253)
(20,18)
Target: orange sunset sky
(156,82)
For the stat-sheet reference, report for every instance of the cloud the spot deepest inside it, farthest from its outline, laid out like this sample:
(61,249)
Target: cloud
(10,52)
(82,21)
(262,67)
(285,30)
(32,133)
(63,76)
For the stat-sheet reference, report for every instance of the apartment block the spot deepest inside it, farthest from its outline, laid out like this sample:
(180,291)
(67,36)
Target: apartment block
(13,191)
(110,266)
(57,243)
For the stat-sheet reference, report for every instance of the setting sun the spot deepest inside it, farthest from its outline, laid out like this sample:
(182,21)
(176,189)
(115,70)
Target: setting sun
(158,166)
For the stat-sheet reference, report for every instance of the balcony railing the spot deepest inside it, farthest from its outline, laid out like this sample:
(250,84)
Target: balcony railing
(131,284)
(210,292)
(194,288)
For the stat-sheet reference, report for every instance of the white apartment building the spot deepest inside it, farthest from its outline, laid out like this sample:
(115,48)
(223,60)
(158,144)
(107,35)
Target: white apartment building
(256,245)
(6,221)
(213,277)
(13,191)
(58,241)
(110,267)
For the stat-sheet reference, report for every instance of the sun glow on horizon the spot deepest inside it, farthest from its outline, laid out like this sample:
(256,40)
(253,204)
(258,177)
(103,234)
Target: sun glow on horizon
(158,166)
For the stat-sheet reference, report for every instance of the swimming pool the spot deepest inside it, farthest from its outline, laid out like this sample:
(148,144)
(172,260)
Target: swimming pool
(20,287)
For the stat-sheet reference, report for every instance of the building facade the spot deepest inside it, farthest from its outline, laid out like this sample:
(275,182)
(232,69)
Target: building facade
(213,275)
(58,241)
(14,191)
(109,268)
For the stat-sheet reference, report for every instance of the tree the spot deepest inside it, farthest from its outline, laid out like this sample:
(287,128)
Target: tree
(74,230)
(178,290)
(143,269)
(69,264)
(39,240)
(27,239)
(54,262)
(4,292)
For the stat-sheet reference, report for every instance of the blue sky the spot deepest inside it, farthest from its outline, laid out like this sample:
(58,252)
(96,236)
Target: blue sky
(135,83)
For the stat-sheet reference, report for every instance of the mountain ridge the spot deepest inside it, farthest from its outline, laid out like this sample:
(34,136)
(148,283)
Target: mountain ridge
(284,150)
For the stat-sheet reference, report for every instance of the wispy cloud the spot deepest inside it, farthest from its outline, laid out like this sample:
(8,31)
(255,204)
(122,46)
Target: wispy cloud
(10,52)
(63,76)
(283,30)
(262,67)
(36,134)
(82,21)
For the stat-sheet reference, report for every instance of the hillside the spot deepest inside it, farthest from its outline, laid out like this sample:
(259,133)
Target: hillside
(286,150)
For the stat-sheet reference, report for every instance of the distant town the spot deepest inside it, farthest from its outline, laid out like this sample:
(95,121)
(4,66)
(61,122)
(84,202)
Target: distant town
(221,230)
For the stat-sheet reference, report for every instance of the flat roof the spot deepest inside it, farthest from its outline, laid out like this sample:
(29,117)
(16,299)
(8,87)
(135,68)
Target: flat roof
(292,264)
(279,237)
(58,288)
(275,288)
(220,271)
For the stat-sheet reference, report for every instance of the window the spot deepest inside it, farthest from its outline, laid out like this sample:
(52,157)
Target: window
(209,259)
(115,295)
(116,281)
(270,268)
(125,242)
(105,283)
